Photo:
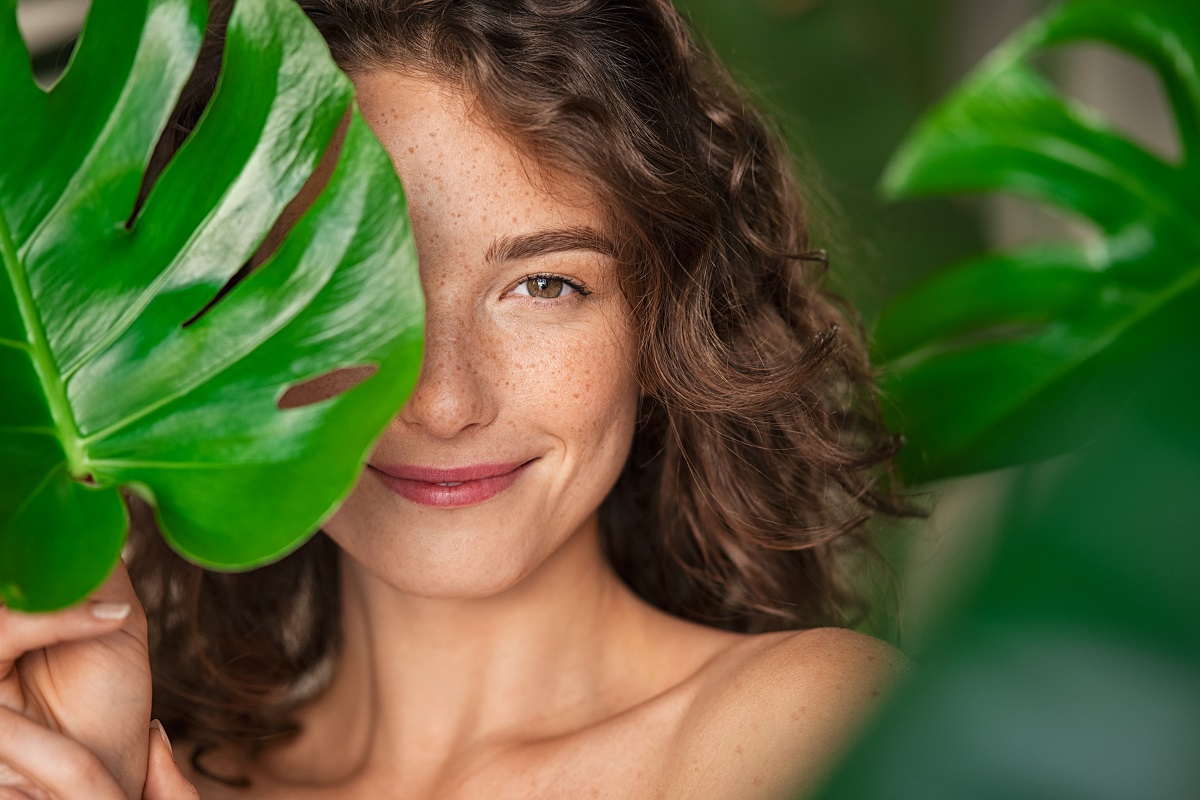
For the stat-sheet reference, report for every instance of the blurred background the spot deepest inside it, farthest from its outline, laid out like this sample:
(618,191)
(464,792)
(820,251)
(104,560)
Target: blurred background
(847,79)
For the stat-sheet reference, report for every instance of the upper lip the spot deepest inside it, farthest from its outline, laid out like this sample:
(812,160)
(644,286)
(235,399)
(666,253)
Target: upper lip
(471,472)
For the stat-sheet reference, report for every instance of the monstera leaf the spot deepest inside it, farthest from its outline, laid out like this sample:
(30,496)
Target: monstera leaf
(979,358)
(118,368)
(1070,668)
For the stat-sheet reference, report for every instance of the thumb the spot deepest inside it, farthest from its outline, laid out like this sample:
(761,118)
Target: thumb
(164,781)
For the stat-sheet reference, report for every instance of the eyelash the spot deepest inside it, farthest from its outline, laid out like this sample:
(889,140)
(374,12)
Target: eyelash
(578,287)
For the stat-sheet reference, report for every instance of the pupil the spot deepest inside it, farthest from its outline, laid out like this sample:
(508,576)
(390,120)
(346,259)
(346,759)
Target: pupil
(548,288)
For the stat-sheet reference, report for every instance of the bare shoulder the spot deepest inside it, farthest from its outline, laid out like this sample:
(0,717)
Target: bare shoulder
(774,711)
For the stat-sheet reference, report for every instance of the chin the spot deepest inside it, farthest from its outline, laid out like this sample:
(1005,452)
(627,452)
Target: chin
(453,564)
(460,579)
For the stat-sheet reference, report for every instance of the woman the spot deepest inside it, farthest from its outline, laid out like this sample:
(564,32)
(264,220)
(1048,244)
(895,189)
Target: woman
(594,553)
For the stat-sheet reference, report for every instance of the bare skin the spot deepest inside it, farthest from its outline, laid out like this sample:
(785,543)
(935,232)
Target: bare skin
(641,706)
(490,650)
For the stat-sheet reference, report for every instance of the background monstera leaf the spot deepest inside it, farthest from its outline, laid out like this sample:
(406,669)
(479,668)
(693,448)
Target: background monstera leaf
(981,358)
(1070,668)
(112,376)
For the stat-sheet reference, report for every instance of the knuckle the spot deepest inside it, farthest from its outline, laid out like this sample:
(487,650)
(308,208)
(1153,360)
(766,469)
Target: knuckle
(83,767)
(11,781)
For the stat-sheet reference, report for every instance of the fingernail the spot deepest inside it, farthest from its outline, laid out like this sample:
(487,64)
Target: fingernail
(107,611)
(163,733)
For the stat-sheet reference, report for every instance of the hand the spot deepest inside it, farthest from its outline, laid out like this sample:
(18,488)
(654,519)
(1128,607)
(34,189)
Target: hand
(75,698)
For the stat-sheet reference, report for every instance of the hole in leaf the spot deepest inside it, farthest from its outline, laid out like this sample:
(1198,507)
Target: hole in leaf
(964,34)
(191,105)
(1014,222)
(1126,92)
(323,387)
(239,276)
(304,198)
(173,138)
(275,237)
(50,28)
(279,231)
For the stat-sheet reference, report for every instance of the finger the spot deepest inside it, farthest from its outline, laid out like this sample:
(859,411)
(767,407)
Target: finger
(164,781)
(117,588)
(21,632)
(14,786)
(111,607)
(61,766)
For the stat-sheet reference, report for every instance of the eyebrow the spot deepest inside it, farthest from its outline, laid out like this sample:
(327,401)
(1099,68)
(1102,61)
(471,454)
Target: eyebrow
(528,245)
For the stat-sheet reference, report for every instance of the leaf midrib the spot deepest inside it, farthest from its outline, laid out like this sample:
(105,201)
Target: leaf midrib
(40,354)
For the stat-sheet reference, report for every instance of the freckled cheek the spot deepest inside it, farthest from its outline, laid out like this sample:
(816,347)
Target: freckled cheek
(576,384)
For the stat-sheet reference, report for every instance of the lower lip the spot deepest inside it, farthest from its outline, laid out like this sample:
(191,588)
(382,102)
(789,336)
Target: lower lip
(467,493)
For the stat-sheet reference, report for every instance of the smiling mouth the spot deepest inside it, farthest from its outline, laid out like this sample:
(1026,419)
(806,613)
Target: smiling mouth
(456,487)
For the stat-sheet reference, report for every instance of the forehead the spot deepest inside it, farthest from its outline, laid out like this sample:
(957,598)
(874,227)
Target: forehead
(466,182)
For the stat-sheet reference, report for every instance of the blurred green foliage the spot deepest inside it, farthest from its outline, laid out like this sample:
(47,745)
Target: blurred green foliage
(979,358)
(847,79)
(1071,669)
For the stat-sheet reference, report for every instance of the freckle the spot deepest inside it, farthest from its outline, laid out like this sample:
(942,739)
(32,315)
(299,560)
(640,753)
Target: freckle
(757,781)
(412,149)
(575,396)
(875,693)
(738,750)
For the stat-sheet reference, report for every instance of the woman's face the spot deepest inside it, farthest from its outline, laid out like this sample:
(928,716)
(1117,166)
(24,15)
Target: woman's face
(527,397)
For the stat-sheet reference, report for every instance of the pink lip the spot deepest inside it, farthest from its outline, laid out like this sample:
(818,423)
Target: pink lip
(474,484)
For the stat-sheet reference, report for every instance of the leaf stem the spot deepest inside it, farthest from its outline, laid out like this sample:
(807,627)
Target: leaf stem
(42,357)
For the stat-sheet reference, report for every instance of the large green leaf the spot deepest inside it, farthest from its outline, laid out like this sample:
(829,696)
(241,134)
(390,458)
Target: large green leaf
(1071,668)
(110,379)
(978,358)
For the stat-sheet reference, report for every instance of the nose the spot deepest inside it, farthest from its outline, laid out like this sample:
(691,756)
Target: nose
(451,395)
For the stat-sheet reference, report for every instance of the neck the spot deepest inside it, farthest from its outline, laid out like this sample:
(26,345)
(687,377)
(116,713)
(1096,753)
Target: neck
(422,679)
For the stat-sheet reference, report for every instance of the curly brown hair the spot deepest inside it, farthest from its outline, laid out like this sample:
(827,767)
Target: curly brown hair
(760,455)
